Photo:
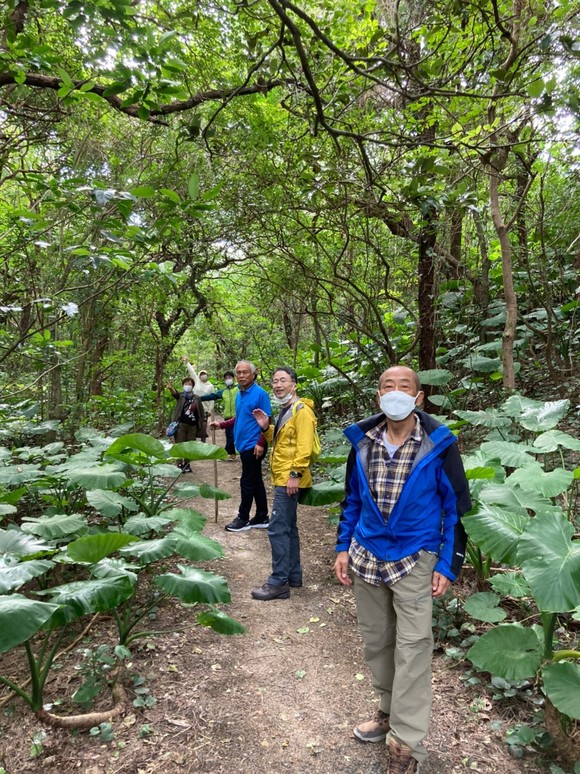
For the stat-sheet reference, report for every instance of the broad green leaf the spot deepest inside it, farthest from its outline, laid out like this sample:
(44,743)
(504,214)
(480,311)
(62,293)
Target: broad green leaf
(516,405)
(109,568)
(496,531)
(20,618)
(14,575)
(509,651)
(510,584)
(482,364)
(212,493)
(533,478)
(195,547)
(220,622)
(11,475)
(196,450)
(489,418)
(13,541)
(477,460)
(148,551)
(553,439)
(142,524)
(186,490)
(191,519)
(138,442)
(332,459)
(6,509)
(143,192)
(484,607)
(436,376)
(54,527)
(194,585)
(512,498)
(109,503)
(92,596)
(93,548)
(544,417)
(513,455)
(325,493)
(562,685)
(550,561)
(98,477)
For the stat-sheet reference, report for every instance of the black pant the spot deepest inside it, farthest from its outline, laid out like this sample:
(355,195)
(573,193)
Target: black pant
(230,448)
(252,486)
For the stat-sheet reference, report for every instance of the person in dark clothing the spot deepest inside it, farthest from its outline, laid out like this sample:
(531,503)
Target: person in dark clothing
(190,415)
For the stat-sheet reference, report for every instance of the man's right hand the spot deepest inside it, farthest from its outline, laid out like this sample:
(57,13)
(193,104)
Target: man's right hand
(185,358)
(341,568)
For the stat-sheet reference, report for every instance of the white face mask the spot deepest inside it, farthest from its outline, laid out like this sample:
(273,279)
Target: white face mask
(283,400)
(187,388)
(397,405)
(229,382)
(203,377)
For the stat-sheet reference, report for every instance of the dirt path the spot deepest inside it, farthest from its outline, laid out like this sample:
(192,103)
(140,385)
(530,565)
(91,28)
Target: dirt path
(281,698)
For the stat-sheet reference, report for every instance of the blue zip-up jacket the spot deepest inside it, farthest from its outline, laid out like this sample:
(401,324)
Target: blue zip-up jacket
(427,514)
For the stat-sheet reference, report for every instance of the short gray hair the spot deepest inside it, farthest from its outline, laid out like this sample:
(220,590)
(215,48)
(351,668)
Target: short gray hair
(253,368)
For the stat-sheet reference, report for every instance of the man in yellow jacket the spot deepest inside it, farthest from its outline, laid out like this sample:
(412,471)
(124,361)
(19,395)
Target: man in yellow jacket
(291,438)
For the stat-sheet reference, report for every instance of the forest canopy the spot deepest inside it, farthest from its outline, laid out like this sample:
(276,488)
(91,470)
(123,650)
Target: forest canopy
(335,185)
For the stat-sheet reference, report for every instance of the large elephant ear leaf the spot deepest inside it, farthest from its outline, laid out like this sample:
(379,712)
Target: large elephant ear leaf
(92,596)
(508,651)
(220,622)
(15,574)
(140,442)
(533,478)
(196,450)
(14,542)
(20,618)
(562,685)
(194,585)
(325,493)
(550,561)
(496,531)
(211,493)
(93,548)
(97,477)
(54,527)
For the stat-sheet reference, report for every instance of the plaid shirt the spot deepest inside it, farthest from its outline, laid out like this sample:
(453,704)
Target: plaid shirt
(387,476)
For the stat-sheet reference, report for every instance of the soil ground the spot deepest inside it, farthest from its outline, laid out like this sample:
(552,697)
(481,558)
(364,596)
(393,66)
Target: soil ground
(283,697)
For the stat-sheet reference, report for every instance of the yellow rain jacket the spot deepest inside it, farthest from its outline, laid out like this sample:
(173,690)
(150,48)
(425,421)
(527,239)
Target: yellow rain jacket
(292,444)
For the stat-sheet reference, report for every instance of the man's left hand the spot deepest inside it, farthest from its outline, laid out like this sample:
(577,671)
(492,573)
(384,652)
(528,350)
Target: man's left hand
(292,486)
(440,584)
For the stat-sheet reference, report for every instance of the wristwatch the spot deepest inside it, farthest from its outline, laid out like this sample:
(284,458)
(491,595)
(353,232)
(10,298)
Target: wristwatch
(295,474)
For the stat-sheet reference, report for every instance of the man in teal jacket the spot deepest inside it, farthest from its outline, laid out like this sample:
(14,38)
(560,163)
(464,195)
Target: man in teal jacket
(401,535)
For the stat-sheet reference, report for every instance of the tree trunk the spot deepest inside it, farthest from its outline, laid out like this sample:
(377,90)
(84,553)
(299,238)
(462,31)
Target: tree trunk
(427,295)
(498,163)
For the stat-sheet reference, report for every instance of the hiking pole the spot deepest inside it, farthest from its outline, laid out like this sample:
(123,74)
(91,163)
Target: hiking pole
(215,470)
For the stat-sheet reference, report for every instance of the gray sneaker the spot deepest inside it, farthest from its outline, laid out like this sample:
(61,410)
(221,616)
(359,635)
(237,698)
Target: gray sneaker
(374,730)
(237,525)
(259,523)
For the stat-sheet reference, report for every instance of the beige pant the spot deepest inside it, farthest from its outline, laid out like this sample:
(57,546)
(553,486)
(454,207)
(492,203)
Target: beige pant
(395,624)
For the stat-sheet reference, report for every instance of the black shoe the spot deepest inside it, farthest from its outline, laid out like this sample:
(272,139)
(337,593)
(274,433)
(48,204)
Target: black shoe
(259,522)
(267,591)
(237,525)
(186,469)
(295,584)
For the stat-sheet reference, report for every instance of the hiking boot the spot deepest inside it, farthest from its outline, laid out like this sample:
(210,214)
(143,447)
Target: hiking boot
(231,457)
(237,525)
(400,758)
(259,522)
(186,469)
(267,591)
(374,730)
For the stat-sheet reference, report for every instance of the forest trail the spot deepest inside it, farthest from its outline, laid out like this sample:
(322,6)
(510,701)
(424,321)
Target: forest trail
(283,697)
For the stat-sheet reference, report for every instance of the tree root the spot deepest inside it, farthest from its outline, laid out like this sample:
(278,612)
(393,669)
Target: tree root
(89,719)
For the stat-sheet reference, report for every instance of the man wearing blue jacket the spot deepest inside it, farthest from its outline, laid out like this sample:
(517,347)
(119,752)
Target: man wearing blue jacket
(401,535)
